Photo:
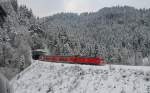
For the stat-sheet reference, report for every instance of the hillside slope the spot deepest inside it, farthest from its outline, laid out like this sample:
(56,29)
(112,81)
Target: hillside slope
(44,77)
(120,32)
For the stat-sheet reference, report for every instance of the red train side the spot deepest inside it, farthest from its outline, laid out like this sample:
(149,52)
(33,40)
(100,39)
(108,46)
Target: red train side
(73,59)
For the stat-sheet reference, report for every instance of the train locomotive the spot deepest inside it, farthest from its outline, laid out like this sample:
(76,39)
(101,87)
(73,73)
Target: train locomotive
(96,60)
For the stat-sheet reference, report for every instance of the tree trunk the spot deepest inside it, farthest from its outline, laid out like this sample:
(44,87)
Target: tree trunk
(4,85)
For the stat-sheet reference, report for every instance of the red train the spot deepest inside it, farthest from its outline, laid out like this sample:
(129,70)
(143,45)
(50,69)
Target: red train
(73,59)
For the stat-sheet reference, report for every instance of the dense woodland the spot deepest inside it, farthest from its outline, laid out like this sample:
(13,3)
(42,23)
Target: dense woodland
(121,35)
(15,50)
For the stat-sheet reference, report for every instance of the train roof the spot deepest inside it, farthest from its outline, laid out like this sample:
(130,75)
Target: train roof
(40,50)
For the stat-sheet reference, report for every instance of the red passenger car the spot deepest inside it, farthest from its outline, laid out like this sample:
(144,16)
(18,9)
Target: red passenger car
(72,59)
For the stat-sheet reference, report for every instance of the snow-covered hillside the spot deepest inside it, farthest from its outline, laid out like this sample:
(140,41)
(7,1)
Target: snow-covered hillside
(45,77)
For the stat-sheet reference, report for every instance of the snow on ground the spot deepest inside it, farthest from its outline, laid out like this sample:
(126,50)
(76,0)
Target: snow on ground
(46,77)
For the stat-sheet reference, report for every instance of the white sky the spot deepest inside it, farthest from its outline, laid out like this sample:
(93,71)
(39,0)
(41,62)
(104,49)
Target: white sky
(43,8)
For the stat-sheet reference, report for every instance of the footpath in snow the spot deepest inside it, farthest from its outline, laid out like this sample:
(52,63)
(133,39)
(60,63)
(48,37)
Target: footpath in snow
(46,77)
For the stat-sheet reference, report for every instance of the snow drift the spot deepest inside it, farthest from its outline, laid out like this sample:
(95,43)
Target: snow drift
(45,77)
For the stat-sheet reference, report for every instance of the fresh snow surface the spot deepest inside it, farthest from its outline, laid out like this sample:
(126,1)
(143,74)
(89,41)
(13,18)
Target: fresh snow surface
(47,77)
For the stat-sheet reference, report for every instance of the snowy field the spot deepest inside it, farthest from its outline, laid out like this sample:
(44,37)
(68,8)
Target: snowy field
(45,77)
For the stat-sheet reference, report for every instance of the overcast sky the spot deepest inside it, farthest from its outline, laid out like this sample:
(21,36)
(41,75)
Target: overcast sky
(43,8)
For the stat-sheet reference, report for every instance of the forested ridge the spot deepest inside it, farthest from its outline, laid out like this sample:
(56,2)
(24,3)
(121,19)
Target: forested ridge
(121,33)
